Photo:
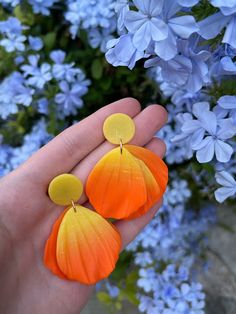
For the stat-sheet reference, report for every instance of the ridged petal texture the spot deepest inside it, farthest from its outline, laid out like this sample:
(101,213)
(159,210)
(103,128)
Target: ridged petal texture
(50,258)
(125,185)
(85,247)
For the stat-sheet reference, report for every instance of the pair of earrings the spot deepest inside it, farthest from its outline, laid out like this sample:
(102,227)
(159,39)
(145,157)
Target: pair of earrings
(83,245)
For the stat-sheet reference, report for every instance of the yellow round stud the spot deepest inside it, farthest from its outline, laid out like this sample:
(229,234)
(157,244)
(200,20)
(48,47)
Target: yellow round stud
(65,188)
(119,127)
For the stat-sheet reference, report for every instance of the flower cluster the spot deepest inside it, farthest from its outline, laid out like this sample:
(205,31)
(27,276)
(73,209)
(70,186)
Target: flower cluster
(96,17)
(38,6)
(173,293)
(12,157)
(12,37)
(188,68)
(28,85)
(176,234)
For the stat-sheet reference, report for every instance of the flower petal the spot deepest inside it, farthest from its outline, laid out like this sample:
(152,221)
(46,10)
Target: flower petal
(188,3)
(116,187)
(134,20)
(159,29)
(225,178)
(183,26)
(142,36)
(155,164)
(167,48)
(223,151)
(88,246)
(221,194)
(50,259)
(227,102)
(154,193)
(212,25)
(153,7)
(230,33)
(205,150)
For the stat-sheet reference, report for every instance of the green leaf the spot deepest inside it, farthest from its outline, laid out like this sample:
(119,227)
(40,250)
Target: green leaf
(49,40)
(118,305)
(96,69)
(104,297)
(203,10)
(25,14)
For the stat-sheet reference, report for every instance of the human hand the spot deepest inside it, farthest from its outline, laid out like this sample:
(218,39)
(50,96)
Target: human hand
(27,214)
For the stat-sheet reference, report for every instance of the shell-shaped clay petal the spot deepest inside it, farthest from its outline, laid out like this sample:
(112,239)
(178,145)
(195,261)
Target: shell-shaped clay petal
(154,192)
(155,164)
(88,246)
(50,259)
(116,186)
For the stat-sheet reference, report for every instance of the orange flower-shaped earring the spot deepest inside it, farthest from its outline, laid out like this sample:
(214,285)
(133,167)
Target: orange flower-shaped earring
(129,179)
(82,245)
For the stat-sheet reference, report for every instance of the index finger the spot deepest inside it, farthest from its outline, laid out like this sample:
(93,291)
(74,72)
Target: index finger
(69,147)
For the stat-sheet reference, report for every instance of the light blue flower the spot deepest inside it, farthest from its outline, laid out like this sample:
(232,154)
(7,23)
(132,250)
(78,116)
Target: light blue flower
(69,99)
(208,134)
(224,66)
(228,103)
(13,3)
(58,56)
(188,69)
(213,24)
(42,6)
(63,71)
(228,188)
(12,26)
(89,14)
(14,157)
(178,26)
(36,75)
(13,42)
(13,92)
(149,305)
(122,51)
(23,95)
(6,153)
(19,59)
(228,66)
(146,24)
(143,259)
(112,290)
(42,105)
(227,7)
(179,192)
(148,279)
(214,144)
(188,3)
(99,38)
(121,8)
(171,294)
(36,43)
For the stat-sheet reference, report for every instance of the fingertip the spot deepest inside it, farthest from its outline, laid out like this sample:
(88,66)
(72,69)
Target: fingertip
(157,146)
(132,101)
(130,104)
(159,111)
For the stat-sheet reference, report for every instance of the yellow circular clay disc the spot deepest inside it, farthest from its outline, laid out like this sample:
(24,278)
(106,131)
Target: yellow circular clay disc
(65,188)
(119,127)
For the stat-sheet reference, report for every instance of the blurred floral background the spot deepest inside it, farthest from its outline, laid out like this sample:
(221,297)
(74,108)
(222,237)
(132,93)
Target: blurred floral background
(62,60)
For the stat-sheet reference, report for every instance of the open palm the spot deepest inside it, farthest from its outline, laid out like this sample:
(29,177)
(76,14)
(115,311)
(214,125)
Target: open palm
(27,214)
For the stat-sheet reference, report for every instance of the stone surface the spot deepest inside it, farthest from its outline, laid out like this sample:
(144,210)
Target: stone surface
(95,307)
(220,280)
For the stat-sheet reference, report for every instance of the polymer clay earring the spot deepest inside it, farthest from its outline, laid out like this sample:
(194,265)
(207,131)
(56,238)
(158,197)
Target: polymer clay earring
(82,246)
(129,179)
